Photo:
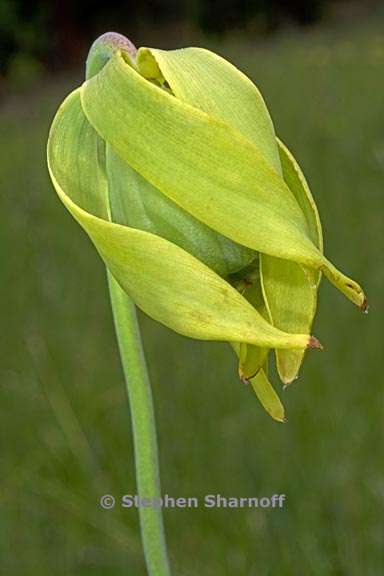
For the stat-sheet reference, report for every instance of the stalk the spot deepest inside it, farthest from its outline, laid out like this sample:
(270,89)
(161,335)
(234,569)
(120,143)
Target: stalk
(143,426)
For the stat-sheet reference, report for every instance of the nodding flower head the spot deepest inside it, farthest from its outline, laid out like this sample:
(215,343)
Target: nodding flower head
(170,162)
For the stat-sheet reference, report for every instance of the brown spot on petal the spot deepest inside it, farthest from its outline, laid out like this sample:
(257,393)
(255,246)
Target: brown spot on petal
(314,343)
(244,380)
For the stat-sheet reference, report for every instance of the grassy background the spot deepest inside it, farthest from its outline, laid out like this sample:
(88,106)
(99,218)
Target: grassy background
(65,430)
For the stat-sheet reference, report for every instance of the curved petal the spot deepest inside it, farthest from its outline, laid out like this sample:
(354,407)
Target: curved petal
(297,183)
(200,162)
(166,282)
(213,85)
(290,289)
(206,81)
(233,189)
(252,358)
(137,203)
(290,297)
(267,396)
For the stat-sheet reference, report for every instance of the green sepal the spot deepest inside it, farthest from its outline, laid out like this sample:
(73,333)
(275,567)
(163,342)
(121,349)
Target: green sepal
(267,396)
(230,196)
(165,281)
(137,203)
(290,289)
(252,358)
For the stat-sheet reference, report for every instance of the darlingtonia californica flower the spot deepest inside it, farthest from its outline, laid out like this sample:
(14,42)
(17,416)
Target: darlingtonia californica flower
(170,162)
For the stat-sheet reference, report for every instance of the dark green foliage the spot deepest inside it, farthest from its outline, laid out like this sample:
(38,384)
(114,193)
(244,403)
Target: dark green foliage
(58,33)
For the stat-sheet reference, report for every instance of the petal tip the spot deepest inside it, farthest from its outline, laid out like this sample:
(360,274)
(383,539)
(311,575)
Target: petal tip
(314,343)
(280,418)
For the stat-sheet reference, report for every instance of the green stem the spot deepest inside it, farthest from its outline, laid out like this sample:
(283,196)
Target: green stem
(143,424)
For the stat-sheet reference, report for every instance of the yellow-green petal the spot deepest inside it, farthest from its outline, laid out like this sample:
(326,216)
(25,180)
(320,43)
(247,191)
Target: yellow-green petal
(200,162)
(166,282)
(253,358)
(233,188)
(267,396)
(137,203)
(213,85)
(290,289)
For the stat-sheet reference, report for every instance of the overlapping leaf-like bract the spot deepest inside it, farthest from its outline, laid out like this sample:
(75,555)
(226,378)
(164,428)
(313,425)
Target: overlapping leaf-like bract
(169,161)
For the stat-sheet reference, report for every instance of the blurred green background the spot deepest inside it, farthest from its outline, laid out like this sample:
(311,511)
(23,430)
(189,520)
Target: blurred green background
(65,427)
